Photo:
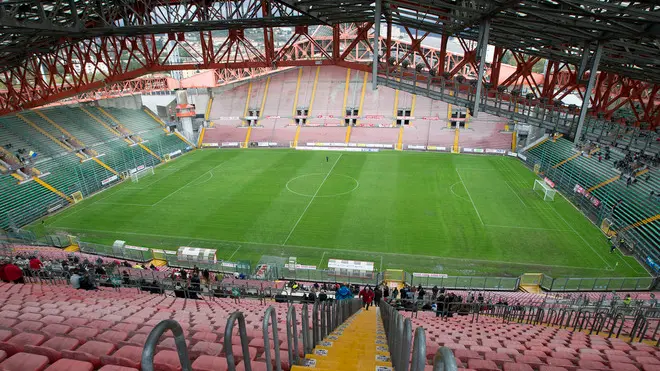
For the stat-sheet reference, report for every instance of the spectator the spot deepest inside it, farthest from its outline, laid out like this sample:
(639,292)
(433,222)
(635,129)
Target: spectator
(316,286)
(480,298)
(195,286)
(386,291)
(378,294)
(179,290)
(12,273)
(367,297)
(35,263)
(343,293)
(627,300)
(440,305)
(206,275)
(323,296)
(126,279)
(311,297)
(395,293)
(420,293)
(434,292)
(86,283)
(100,270)
(236,294)
(184,274)
(75,279)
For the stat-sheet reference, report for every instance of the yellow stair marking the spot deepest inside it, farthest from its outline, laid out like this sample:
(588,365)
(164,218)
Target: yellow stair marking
(42,131)
(247,100)
(150,151)
(642,172)
(208,108)
(183,138)
(156,118)
(295,139)
(20,178)
(357,344)
(467,118)
(263,100)
(399,141)
(449,108)
(456,134)
(316,80)
(567,160)
(396,104)
(57,126)
(613,179)
(105,166)
(514,138)
(642,222)
(348,134)
(538,144)
(557,136)
(108,127)
(347,84)
(201,137)
(364,90)
(3,169)
(295,101)
(247,136)
(52,189)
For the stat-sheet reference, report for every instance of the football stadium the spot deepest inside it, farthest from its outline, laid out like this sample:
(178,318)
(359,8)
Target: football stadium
(290,185)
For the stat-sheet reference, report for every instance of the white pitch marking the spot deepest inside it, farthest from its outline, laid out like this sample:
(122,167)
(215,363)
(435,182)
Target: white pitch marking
(311,200)
(471,200)
(185,185)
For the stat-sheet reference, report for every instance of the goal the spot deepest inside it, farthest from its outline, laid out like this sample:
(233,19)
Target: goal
(548,192)
(135,177)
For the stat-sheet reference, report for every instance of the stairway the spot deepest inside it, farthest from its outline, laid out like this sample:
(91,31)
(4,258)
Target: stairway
(357,344)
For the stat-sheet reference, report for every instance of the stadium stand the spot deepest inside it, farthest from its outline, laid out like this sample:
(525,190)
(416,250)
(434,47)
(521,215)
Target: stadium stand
(327,100)
(66,144)
(47,324)
(627,200)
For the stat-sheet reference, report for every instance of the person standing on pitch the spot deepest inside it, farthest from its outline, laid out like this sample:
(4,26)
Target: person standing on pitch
(327,159)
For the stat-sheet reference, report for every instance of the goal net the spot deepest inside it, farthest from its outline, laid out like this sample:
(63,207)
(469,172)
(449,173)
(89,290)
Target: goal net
(548,192)
(136,176)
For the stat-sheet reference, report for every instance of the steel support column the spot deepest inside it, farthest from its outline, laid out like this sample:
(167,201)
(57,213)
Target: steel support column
(593,71)
(482,47)
(374,67)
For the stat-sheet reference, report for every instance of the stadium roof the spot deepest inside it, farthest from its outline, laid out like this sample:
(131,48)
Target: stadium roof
(553,29)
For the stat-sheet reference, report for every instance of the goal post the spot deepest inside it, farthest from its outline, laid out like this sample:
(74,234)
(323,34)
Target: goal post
(548,191)
(136,176)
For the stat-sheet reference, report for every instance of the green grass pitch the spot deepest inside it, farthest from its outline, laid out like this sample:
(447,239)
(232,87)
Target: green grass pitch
(421,212)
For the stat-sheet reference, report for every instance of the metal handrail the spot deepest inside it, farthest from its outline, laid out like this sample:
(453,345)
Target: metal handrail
(324,318)
(444,360)
(307,346)
(419,350)
(292,335)
(270,317)
(316,331)
(405,345)
(179,341)
(229,352)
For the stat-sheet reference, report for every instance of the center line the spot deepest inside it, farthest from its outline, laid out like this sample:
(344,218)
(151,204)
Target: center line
(311,200)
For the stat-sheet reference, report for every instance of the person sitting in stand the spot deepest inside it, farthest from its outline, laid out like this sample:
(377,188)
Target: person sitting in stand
(323,296)
(75,279)
(11,273)
(35,263)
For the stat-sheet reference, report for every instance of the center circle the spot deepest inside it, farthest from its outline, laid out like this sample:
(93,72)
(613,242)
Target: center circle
(307,185)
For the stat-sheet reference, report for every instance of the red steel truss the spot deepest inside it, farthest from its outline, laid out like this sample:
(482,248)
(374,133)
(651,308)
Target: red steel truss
(110,65)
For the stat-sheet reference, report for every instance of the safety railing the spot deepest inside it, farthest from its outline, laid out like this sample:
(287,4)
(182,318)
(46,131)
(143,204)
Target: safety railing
(270,319)
(643,322)
(228,346)
(179,340)
(399,337)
